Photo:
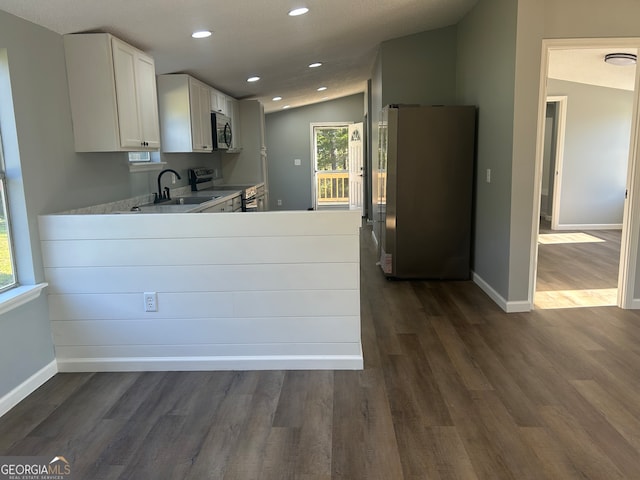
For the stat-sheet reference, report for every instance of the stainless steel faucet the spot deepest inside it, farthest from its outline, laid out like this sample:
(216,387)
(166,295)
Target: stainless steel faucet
(161,196)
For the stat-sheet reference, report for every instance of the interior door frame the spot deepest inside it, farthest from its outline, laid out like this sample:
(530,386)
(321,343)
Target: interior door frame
(631,216)
(561,124)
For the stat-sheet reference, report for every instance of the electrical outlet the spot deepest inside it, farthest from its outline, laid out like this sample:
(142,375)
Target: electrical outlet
(150,302)
(279,202)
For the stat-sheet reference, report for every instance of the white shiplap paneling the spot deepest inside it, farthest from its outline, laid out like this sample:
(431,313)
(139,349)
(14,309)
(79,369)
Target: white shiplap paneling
(204,278)
(264,290)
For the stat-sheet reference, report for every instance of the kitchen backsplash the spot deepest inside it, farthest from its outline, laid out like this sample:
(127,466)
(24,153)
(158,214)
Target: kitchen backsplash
(123,205)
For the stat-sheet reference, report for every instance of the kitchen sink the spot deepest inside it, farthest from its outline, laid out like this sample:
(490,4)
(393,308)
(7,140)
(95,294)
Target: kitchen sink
(194,200)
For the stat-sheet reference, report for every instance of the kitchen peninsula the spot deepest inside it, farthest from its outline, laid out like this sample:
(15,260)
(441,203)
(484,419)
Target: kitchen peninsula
(234,291)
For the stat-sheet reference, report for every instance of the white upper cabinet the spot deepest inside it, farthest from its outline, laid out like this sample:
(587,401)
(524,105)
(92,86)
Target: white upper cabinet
(201,134)
(185,115)
(112,89)
(220,102)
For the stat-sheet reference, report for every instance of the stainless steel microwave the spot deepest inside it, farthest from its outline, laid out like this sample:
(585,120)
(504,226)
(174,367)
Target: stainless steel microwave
(221,130)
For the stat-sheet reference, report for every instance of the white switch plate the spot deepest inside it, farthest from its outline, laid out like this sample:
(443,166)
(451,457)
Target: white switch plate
(488,175)
(279,202)
(150,302)
(297,162)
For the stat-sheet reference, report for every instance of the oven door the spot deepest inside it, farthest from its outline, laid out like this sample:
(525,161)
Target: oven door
(250,205)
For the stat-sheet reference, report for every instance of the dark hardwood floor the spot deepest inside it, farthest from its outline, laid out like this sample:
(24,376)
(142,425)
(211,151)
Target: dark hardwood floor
(453,388)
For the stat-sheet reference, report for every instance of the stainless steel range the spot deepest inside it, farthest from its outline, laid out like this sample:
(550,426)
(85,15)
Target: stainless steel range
(253,195)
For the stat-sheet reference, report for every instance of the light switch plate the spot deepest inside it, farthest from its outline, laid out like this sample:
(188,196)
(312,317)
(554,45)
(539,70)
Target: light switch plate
(297,162)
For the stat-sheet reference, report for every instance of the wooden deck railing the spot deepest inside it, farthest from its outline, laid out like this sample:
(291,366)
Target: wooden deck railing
(333,187)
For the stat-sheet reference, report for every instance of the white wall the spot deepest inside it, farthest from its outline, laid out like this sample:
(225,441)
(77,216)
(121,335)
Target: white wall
(596,149)
(267,290)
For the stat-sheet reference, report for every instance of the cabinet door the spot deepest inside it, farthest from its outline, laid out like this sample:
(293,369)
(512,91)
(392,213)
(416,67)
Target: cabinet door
(205,113)
(196,115)
(148,98)
(219,102)
(124,66)
(199,103)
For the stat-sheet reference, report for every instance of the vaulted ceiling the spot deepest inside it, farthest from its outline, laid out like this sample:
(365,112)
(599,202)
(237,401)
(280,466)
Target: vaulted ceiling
(254,37)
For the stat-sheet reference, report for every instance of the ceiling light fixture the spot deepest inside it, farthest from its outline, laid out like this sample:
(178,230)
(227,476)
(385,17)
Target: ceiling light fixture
(620,58)
(201,34)
(298,11)
(322,89)
(253,79)
(315,65)
(276,99)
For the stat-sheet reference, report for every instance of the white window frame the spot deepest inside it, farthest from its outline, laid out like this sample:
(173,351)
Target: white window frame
(4,199)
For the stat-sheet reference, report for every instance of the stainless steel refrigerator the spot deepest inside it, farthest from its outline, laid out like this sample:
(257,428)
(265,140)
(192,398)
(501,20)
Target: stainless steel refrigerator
(423,191)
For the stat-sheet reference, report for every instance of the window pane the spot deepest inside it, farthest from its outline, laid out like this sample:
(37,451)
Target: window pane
(7,270)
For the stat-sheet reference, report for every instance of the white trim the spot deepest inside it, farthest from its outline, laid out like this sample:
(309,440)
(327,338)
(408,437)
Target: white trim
(507,306)
(561,127)
(27,387)
(314,158)
(634,304)
(271,362)
(135,167)
(19,296)
(588,226)
(631,219)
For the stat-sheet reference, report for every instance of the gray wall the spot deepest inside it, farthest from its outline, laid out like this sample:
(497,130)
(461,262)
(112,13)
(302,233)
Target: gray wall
(288,137)
(596,150)
(485,78)
(538,20)
(418,69)
(45,175)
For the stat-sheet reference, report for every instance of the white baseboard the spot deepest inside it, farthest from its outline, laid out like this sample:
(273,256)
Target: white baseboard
(27,387)
(507,306)
(589,226)
(272,362)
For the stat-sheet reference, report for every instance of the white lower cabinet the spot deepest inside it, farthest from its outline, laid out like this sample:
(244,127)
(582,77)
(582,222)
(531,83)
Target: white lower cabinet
(231,205)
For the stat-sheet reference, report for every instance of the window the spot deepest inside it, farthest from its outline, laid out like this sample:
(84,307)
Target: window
(7,262)
(139,157)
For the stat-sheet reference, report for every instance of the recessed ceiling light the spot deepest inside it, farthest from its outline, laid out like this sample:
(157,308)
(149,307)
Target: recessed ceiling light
(315,65)
(322,89)
(276,99)
(285,107)
(298,11)
(201,34)
(253,79)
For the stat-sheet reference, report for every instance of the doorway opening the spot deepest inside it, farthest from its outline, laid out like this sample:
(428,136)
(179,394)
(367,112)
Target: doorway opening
(586,159)
(331,165)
